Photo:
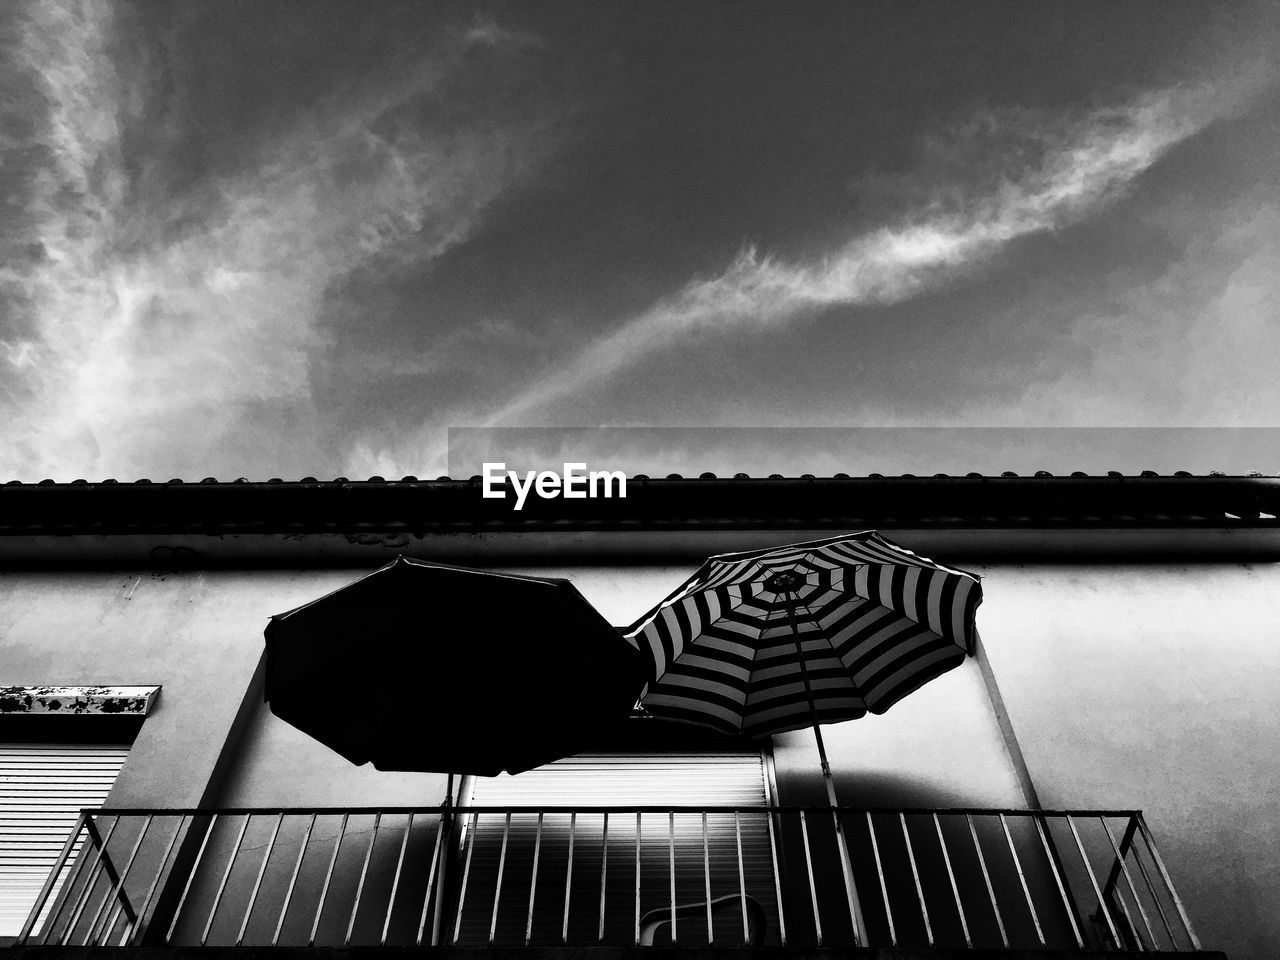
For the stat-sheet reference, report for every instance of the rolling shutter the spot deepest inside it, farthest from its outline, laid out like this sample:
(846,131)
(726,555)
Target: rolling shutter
(43,787)
(682,776)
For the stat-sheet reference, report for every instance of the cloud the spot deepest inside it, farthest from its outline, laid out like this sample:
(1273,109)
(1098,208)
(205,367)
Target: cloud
(1004,175)
(1184,349)
(149,333)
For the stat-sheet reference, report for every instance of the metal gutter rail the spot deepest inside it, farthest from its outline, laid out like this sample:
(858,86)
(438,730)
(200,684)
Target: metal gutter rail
(959,878)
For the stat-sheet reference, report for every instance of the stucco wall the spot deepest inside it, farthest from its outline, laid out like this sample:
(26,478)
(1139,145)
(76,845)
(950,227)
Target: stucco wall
(1152,686)
(1157,687)
(197,634)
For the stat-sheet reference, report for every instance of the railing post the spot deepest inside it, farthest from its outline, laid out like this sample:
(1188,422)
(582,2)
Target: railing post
(1125,843)
(1121,852)
(117,887)
(437,860)
(91,881)
(466,875)
(113,914)
(226,875)
(49,881)
(777,875)
(156,932)
(1093,881)
(1059,876)
(155,881)
(1168,882)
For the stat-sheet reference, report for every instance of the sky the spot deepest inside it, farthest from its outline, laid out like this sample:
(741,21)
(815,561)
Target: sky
(286,240)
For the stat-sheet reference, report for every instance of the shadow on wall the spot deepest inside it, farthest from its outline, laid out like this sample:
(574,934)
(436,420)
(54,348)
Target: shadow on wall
(855,789)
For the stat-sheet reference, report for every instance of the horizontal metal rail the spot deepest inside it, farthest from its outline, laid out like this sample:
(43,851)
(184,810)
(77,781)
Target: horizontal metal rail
(960,877)
(613,809)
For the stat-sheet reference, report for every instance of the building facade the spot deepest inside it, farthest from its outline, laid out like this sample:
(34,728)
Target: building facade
(1128,665)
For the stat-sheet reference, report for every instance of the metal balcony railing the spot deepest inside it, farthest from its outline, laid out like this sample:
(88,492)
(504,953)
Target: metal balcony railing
(1011,879)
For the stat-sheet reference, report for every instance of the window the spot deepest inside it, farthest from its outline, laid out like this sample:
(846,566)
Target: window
(61,749)
(685,770)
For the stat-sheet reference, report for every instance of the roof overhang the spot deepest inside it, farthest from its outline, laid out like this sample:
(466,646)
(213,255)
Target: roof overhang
(345,523)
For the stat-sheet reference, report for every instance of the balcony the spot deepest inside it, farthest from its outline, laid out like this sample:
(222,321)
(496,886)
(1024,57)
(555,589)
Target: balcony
(928,882)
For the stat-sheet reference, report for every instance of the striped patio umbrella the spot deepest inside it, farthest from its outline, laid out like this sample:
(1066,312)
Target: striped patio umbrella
(773,640)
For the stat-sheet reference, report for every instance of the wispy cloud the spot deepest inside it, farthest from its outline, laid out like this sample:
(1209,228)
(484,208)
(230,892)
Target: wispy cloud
(146,333)
(1028,173)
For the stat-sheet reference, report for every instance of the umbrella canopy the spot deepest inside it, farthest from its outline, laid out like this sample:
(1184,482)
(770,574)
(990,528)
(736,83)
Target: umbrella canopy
(428,667)
(773,640)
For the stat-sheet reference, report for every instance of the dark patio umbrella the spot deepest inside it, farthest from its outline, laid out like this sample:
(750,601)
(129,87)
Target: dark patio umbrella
(810,633)
(428,667)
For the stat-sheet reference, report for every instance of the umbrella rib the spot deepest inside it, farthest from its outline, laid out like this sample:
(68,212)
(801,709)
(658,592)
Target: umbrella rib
(822,632)
(901,612)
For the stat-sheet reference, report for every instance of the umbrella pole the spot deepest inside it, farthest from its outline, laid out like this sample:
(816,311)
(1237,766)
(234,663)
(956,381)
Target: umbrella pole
(855,905)
(446,828)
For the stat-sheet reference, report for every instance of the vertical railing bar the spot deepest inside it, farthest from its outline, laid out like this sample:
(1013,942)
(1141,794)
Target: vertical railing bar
(671,868)
(638,831)
(813,890)
(95,874)
(74,876)
(533,882)
(1155,897)
(1124,869)
(1126,844)
(1131,928)
(915,873)
(226,875)
(1168,882)
(82,868)
(777,879)
(328,876)
(706,879)
(257,883)
(604,867)
(986,877)
(742,880)
(293,880)
(466,873)
(431,881)
(1026,892)
(395,882)
(846,868)
(568,878)
(448,823)
(155,881)
(364,872)
(884,890)
(1093,880)
(502,866)
(1041,830)
(41,898)
(117,892)
(951,876)
(195,867)
(112,886)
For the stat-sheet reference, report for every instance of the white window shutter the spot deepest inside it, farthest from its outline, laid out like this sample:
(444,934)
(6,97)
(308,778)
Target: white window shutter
(43,787)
